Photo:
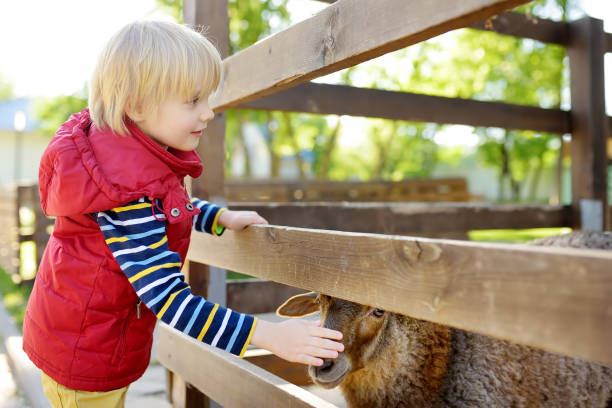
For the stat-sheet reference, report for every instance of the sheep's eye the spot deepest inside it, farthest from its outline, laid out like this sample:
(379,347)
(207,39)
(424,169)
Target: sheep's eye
(378,312)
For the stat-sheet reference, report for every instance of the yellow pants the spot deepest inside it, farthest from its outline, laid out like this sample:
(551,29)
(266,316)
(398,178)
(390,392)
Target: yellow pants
(62,397)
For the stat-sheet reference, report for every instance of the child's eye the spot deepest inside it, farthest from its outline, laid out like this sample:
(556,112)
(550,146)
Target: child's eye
(194,101)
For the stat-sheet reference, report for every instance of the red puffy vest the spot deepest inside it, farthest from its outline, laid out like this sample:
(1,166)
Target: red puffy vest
(81,325)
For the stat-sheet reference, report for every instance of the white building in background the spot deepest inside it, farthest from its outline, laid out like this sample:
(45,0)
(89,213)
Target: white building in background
(20,150)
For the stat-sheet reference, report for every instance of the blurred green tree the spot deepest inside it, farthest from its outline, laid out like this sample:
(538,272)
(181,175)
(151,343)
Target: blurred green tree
(6,88)
(487,66)
(54,111)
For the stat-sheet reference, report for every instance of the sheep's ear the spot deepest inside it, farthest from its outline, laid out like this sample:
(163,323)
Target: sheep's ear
(299,306)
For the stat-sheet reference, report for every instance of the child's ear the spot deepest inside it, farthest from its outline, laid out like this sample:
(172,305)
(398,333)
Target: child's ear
(135,112)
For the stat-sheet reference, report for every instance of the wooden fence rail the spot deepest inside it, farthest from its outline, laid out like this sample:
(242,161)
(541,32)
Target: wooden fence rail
(557,299)
(375,103)
(411,218)
(342,35)
(212,370)
(448,189)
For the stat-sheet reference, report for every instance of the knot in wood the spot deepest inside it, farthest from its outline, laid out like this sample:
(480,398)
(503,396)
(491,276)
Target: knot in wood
(329,41)
(328,49)
(272,235)
(421,252)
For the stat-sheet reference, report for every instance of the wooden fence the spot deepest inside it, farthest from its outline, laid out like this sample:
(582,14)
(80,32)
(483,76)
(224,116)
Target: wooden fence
(497,290)
(549,298)
(429,190)
(9,241)
(15,231)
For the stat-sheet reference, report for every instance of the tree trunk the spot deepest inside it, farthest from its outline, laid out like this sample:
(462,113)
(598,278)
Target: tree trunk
(384,147)
(274,158)
(323,168)
(535,180)
(294,144)
(505,166)
(247,161)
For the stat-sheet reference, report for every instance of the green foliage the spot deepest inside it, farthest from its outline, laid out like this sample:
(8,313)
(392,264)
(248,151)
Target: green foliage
(252,20)
(6,88)
(515,236)
(15,296)
(249,20)
(54,111)
(491,67)
(172,7)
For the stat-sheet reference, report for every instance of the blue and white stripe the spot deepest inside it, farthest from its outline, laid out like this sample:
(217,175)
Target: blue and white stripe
(136,235)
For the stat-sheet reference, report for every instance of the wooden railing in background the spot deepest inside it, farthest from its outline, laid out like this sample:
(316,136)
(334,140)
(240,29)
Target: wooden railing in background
(15,231)
(9,232)
(283,191)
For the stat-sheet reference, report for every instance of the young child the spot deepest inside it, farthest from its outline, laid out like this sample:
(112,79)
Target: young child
(113,176)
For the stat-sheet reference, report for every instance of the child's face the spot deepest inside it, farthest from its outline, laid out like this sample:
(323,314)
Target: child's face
(177,123)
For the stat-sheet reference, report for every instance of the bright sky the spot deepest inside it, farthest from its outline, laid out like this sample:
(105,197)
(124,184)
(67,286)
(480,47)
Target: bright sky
(50,47)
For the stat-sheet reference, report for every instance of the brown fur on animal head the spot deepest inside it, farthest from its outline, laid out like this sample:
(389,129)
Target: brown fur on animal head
(371,337)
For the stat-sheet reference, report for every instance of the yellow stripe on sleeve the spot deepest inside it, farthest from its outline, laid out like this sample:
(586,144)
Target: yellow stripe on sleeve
(159,243)
(131,207)
(117,239)
(248,340)
(214,224)
(169,302)
(151,269)
(208,323)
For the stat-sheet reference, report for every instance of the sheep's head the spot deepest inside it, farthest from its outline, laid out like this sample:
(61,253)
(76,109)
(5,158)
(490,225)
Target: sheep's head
(362,329)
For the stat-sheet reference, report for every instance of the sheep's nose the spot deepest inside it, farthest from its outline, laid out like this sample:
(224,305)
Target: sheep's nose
(327,365)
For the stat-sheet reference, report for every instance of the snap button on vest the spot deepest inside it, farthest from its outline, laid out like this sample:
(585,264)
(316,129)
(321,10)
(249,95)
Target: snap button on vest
(189,206)
(175,212)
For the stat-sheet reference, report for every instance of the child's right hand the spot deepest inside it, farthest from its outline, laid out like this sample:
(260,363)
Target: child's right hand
(299,341)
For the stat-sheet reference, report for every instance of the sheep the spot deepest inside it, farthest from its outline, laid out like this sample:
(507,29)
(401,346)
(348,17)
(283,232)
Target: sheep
(392,360)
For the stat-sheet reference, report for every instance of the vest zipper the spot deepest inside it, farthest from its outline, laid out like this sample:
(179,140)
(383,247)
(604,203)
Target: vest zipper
(138,309)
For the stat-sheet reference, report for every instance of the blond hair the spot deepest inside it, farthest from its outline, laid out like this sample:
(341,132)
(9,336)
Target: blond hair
(147,62)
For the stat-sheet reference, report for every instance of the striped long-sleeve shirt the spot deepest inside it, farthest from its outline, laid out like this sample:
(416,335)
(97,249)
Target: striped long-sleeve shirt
(136,235)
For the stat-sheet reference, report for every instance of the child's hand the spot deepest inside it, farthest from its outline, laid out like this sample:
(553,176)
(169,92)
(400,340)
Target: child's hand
(238,220)
(299,341)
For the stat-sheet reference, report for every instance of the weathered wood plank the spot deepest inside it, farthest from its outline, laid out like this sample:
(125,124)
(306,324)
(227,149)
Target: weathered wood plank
(344,34)
(521,25)
(229,380)
(524,26)
(410,218)
(589,127)
(346,100)
(294,373)
(554,298)
(447,189)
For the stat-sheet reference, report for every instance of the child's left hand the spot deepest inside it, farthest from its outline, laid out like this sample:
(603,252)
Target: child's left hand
(238,220)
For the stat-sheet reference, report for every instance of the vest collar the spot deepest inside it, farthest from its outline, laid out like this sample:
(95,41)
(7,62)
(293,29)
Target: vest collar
(180,162)
(97,169)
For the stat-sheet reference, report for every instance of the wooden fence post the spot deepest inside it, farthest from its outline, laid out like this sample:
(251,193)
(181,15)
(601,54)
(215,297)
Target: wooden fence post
(213,15)
(589,124)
